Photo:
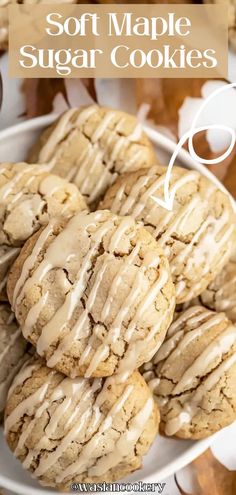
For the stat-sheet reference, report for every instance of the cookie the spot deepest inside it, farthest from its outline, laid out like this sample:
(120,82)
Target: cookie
(29,197)
(93,294)
(196,236)
(13,352)
(91,146)
(193,375)
(67,430)
(220,295)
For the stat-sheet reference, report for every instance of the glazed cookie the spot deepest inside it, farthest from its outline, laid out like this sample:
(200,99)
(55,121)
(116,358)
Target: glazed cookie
(91,146)
(13,352)
(93,294)
(220,295)
(67,430)
(193,375)
(196,236)
(29,197)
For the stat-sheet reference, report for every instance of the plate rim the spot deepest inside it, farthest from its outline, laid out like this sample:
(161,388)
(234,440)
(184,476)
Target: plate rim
(194,450)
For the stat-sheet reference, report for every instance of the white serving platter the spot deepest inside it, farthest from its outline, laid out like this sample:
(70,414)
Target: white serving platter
(166,455)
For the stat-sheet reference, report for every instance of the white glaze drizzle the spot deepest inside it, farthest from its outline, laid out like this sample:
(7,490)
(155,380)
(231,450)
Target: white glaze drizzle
(214,351)
(213,232)
(191,408)
(24,169)
(5,385)
(12,340)
(3,283)
(221,293)
(122,448)
(55,325)
(29,263)
(10,254)
(63,126)
(25,204)
(26,372)
(177,339)
(213,361)
(94,154)
(48,186)
(26,406)
(14,337)
(56,256)
(76,399)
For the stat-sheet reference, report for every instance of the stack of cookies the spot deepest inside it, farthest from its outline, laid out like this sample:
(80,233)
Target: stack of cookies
(91,270)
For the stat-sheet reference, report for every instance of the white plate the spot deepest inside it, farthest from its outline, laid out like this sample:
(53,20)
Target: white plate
(166,455)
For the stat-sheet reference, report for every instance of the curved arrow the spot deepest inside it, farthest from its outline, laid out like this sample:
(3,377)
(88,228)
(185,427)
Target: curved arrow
(169,195)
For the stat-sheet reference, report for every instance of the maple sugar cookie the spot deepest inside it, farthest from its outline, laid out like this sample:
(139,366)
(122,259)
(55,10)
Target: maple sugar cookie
(67,430)
(220,294)
(13,351)
(93,294)
(29,197)
(197,235)
(193,374)
(91,146)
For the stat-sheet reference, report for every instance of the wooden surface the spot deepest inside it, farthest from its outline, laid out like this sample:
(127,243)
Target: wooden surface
(211,477)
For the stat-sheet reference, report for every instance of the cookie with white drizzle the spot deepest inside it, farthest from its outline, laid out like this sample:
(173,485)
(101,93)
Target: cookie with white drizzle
(67,430)
(91,146)
(93,294)
(193,374)
(196,236)
(220,295)
(13,352)
(29,197)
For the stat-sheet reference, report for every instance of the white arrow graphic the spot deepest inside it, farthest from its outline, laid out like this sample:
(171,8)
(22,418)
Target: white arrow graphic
(169,195)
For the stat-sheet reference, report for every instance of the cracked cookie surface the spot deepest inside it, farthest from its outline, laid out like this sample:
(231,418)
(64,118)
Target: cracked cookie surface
(67,430)
(91,146)
(93,294)
(13,351)
(196,236)
(220,295)
(193,374)
(29,197)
